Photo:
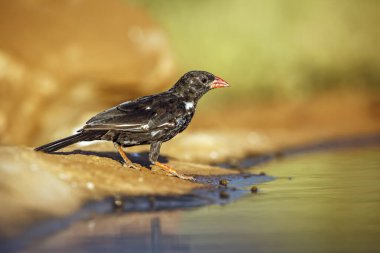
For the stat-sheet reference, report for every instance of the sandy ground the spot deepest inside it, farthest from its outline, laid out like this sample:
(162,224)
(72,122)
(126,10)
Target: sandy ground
(36,186)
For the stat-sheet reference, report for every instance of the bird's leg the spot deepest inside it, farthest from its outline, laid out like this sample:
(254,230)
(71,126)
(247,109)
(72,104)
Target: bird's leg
(153,156)
(173,172)
(127,162)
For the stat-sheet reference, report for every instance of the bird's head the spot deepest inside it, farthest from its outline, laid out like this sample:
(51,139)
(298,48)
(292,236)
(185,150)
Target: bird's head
(194,84)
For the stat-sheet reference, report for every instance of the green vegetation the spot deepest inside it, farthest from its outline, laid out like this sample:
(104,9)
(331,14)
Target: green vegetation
(284,47)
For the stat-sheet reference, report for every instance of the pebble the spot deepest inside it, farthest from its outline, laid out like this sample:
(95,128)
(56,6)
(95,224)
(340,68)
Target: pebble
(224,195)
(117,202)
(254,189)
(223,182)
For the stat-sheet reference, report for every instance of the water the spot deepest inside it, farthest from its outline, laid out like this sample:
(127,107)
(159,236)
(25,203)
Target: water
(332,204)
(320,202)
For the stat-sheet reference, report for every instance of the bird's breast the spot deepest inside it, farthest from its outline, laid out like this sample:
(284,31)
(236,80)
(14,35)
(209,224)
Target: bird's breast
(183,121)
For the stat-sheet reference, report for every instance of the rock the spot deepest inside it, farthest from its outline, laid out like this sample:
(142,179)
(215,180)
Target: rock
(62,61)
(223,182)
(36,185)
(111,42)
(216,145)
(254,189)
(224,195)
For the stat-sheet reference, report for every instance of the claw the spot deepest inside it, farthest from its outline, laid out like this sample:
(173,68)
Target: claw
(172,172)
(131,165)
(190,178)
(180,176)
(127,162)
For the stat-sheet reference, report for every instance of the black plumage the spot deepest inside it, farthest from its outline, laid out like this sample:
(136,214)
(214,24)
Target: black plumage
(147,120)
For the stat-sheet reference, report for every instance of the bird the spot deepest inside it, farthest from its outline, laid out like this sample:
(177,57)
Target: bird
(149,120)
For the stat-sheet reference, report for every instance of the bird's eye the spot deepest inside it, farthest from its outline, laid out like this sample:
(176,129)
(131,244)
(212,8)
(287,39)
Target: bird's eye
(204,80)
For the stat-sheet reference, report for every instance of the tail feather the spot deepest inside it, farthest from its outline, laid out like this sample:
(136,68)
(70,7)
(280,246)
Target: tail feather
(55,145)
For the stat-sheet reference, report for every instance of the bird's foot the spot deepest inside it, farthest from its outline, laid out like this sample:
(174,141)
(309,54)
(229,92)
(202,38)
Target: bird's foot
(132,166)
(172,172)
(127,163)
(181,176)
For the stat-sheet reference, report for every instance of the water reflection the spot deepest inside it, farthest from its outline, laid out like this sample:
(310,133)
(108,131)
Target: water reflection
(331,204)
(132,232)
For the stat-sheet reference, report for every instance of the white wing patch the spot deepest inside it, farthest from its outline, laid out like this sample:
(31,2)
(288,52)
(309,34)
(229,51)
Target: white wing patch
(189,105)
(154,133)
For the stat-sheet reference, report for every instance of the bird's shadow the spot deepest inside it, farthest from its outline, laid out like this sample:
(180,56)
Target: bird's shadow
(141,158)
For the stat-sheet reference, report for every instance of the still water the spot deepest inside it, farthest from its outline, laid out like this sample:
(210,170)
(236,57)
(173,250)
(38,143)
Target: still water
(320,202)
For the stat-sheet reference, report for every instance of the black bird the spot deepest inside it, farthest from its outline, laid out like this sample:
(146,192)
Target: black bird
(147,120)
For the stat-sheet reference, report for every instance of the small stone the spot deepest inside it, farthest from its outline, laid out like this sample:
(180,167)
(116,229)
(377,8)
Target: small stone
(254,189)
(223,182)
(262,174)
(224,195)
(118,202)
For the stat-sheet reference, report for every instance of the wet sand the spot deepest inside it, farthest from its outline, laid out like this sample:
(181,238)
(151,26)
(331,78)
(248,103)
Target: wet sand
(37,187)
(319,202)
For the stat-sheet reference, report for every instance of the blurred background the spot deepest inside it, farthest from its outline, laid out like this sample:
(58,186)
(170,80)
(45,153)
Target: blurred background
(276,47)
(290,63)
(303,74)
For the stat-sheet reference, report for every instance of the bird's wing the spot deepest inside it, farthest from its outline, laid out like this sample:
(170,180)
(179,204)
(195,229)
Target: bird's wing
(141,115)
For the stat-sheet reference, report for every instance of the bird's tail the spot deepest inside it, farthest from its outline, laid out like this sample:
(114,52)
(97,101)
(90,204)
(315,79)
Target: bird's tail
(55,145)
